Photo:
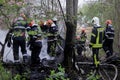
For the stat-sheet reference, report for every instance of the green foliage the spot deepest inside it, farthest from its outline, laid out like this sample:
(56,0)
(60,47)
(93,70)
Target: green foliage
(24,76)
(4,74)
(7,75)
(91,10)
(1,2)
(9,11)
(59,75)
(93,77)
(17,77)
(101,10)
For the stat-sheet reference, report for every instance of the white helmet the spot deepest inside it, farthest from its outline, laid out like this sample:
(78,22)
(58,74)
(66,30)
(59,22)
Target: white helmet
(95,20)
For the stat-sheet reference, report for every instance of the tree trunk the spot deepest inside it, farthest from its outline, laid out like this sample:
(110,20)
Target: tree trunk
(71,23)
(75,9)
(117,27)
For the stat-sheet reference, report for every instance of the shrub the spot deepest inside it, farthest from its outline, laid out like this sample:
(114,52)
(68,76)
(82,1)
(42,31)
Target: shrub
(58,75)
(4,74)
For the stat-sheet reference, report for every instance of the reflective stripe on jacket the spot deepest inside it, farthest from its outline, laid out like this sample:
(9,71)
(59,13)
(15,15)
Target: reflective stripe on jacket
(19,28)
(109,32)
(97,37)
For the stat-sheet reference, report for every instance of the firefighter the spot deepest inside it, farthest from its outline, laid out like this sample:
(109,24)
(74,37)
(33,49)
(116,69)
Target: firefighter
(43,26)
(108,38)
(96,40)
(17,33)
(55,20)
(81,39)
(35,43)
(52,37)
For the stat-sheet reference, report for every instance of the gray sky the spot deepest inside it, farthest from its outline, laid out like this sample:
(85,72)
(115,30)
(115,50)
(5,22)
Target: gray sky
(81,2)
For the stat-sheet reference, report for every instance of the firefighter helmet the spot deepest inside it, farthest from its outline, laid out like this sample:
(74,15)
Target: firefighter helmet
(108,22)
(31,23)
(49,22)
(83,30)
(95,20)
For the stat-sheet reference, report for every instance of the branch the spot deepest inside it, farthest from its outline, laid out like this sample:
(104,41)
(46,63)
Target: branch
(1,43)
(5,16)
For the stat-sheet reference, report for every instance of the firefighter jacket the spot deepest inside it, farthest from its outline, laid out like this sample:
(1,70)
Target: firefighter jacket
(52,32)
(109,32)
(96,37)
(44,28)
(19,29)
(34,34)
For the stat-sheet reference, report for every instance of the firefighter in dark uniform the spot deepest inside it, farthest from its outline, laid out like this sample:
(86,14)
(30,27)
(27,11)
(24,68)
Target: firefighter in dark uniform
(81,39)
(35,42)
(108,38)
(52,37)
(43,27)
(96,40)
(19,38)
